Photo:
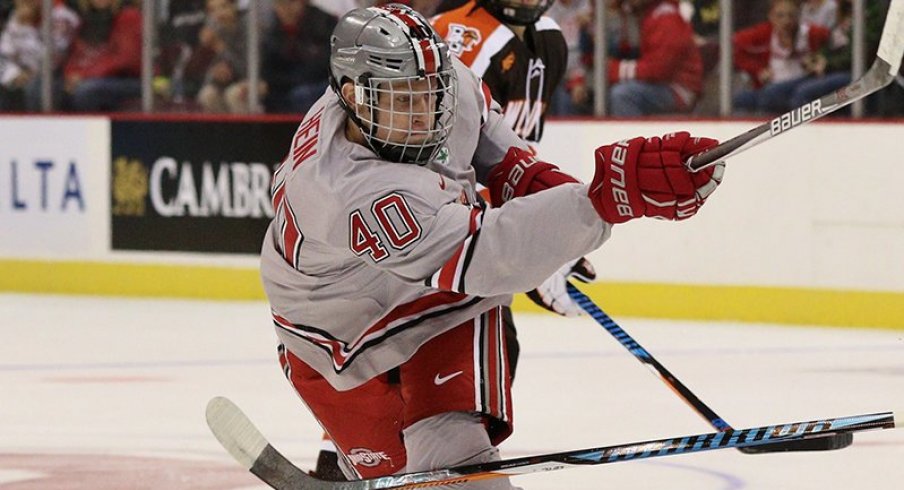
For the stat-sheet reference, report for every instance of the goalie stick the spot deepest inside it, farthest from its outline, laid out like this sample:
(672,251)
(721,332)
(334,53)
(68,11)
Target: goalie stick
(881,73)
(249,447)
(824,443)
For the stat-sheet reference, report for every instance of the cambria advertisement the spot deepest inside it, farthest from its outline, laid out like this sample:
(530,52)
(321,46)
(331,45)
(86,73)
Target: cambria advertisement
(194,186)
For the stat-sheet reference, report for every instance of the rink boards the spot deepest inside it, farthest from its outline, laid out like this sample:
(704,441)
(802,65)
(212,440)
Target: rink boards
(806,229)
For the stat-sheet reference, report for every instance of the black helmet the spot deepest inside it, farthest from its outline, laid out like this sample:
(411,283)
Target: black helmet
(516,12)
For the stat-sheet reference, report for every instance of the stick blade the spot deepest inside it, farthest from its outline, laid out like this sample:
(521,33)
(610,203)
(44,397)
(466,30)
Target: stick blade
(235,431)
(238,435)
(826,443)
(891,45)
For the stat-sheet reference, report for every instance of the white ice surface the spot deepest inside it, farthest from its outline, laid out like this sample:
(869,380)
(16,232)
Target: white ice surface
(124,383)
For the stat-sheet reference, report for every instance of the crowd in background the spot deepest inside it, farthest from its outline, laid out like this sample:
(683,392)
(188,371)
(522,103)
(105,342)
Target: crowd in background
(662,54)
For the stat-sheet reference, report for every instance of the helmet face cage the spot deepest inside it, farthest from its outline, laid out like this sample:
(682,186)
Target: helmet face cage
(407,119)
(515,12)
(405,89)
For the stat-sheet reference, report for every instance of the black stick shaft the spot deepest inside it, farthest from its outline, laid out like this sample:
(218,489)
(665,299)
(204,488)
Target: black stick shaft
(825,443)
(644,356)
(874,80)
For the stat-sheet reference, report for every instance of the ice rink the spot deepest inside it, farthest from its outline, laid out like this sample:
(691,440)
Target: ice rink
(109,393)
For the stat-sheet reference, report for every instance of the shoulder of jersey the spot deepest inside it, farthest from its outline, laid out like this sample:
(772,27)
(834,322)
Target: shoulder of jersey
(547,24)
(469,31)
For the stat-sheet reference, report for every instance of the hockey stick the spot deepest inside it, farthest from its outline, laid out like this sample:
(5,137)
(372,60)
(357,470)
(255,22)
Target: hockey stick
(825,443)
(882,73)
(249,447)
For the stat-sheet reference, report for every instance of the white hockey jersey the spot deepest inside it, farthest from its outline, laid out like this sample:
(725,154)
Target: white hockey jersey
(366,260)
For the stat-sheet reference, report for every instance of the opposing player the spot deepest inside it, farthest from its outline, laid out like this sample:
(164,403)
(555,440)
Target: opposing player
(521,55)
(518,52)
(385,277)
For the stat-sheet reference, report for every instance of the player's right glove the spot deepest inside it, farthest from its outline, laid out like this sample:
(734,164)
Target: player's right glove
(647,177)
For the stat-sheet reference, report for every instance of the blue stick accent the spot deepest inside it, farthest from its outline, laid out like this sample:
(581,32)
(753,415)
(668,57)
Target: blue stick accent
(644,356)
(623,452)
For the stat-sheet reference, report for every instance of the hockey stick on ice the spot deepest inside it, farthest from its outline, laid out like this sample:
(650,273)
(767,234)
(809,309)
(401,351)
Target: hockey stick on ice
(882,73)
(249,447)
(825,443)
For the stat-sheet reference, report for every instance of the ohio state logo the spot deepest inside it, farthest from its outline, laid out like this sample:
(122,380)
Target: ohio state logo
(462,38)
(360,456)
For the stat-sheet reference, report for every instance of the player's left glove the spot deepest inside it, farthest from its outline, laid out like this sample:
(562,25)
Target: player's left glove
(520,174)
(552,294)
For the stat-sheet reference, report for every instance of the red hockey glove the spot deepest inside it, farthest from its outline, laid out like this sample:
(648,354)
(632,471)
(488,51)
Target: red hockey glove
(647,177)
(520,174)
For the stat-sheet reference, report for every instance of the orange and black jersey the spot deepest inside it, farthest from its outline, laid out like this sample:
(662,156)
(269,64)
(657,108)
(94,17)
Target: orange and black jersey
(521,75)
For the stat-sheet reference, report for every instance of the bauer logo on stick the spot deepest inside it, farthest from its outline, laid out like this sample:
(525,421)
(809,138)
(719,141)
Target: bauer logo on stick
(796,117)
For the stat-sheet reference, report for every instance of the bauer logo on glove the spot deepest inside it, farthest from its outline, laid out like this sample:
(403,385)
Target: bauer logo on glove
(647,177)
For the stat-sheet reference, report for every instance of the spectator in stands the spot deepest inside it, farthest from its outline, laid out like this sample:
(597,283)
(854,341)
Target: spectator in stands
(574,18)
(103,70)
(264,9)
(181,72)
(706,19)
(622,31)
(666,74)
(831,68)
(223,45)
(22,52)
(744,14)
(296,56)
(820,12)
(778,56)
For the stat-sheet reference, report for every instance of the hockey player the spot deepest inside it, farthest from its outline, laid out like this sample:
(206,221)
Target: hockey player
(384,276)
(518,52)
(521,55)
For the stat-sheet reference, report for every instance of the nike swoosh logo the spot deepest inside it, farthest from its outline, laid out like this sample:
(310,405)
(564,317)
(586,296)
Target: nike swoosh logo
(442,183)
(438,380)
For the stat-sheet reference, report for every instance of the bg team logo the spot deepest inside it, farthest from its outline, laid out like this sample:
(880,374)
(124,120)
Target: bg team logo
(462,38)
